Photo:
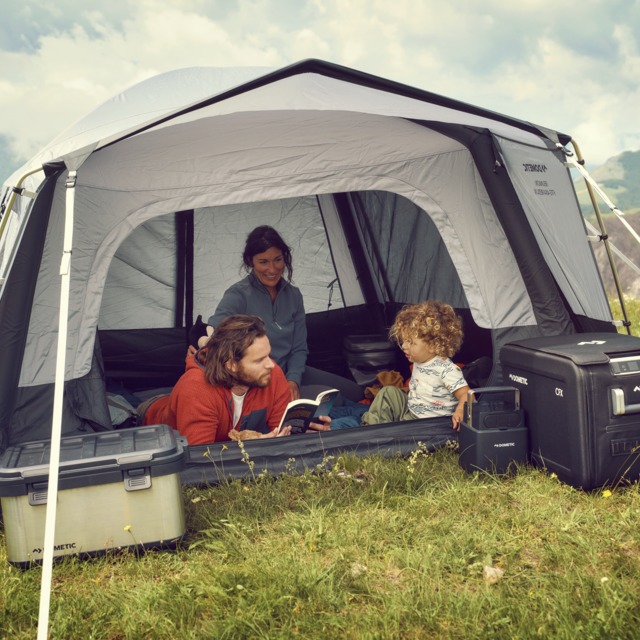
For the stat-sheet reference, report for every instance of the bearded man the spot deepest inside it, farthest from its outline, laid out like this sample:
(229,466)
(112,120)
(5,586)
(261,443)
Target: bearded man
(230,384)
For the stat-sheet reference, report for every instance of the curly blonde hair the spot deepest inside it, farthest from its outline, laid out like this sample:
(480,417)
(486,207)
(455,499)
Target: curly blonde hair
(432,321)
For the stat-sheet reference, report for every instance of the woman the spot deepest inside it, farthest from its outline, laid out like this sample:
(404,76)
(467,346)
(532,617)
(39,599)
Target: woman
(267,293)
(264,292)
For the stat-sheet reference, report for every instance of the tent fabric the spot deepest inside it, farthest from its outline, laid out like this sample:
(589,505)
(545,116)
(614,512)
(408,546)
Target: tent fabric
(388,195)
(208,465)
(543,184)
(145,167)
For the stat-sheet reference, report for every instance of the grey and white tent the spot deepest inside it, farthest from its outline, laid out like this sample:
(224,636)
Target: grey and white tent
(388,195)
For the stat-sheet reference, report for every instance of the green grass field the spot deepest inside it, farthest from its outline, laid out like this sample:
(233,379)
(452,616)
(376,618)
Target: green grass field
(363,548)
(399,548)
(632,307)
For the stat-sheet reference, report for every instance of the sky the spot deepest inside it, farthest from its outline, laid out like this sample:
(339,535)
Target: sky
(573,67)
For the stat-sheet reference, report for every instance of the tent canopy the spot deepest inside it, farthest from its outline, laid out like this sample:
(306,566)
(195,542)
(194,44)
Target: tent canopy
(387,194)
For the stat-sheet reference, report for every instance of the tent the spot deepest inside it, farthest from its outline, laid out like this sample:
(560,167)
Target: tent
(388,194)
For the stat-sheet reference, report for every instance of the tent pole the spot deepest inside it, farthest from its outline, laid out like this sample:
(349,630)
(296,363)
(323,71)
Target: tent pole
(578,163)
(56,427)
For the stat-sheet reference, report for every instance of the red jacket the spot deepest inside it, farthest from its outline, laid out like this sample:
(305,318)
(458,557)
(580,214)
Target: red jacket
(203,413)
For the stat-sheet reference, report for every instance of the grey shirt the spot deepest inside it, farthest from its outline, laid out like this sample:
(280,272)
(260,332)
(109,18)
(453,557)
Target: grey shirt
(284,319)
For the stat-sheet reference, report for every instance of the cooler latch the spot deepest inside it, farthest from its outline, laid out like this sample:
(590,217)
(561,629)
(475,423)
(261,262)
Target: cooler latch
(619,406)
(38,493)
(137,479)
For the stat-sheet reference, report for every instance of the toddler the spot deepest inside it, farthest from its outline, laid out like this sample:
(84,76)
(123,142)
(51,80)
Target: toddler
(429,333)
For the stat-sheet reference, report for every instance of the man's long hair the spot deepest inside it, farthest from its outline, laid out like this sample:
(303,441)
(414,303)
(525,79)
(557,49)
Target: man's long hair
(229,342)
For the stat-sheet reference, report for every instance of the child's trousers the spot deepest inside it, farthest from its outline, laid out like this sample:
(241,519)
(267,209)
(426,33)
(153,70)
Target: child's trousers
(389,405)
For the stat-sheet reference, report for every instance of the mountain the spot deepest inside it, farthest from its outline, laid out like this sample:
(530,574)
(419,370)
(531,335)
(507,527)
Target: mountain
(619,178)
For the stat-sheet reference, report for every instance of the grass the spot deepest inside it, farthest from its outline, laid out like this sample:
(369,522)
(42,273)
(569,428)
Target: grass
(373,548)
(632,306)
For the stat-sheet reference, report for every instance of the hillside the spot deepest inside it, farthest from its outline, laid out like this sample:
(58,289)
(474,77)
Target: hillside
(619,177)
(626,243)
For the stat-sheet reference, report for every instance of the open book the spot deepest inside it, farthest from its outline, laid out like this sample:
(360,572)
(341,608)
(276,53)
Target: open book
(299,413)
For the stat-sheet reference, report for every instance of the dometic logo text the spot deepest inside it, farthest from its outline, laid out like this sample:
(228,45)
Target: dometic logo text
(536,168)
(58,547)
(505,444)
(519,379)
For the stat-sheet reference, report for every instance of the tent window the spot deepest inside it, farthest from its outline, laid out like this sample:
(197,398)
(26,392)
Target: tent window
(154,262)
(401,239)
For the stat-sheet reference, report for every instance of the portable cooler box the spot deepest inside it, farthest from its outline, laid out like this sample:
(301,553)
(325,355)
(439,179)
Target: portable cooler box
(492,435)
(581,398)
(115,489)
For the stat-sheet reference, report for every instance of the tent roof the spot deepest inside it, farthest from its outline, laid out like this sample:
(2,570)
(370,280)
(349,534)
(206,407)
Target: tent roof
(177,95)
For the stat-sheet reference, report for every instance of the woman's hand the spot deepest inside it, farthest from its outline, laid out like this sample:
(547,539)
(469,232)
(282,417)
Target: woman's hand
(323,425)
(295,390)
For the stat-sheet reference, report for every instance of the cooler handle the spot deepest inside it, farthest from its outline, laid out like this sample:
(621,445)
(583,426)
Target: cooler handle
(620,408)
(489,392)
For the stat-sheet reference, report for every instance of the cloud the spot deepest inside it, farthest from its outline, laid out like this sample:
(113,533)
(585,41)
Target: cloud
(540,60)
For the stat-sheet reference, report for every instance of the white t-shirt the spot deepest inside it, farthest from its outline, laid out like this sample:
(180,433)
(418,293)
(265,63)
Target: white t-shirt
(431,388)
(238,401)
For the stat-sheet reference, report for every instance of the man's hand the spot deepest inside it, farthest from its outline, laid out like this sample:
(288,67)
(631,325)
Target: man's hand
(278,433)
(323,425)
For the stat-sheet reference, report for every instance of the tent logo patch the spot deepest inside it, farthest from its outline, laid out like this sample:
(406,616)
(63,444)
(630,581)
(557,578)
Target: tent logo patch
(535,168)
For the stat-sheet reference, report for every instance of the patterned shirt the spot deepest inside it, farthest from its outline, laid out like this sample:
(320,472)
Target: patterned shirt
(431,388)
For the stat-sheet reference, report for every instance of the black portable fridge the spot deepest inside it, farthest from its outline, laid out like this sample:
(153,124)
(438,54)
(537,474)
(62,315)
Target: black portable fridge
(581,398)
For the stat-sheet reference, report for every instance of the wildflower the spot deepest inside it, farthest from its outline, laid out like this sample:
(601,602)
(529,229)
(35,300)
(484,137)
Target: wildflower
(554,476)
(127,528)
(604,579)
(606,493)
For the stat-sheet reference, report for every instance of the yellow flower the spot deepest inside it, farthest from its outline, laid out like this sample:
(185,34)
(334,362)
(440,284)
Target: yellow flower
(606,493)
(127,527)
